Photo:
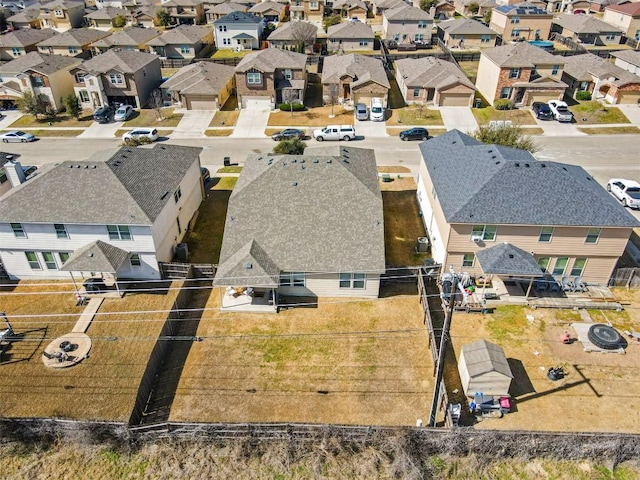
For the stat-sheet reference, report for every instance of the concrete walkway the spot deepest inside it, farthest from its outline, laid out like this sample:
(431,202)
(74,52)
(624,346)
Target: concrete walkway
(459,118)
(10,116)
(82,325)
(193,123)
(251,123)
(101,130)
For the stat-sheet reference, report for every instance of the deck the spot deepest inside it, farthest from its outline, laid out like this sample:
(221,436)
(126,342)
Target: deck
(258,303)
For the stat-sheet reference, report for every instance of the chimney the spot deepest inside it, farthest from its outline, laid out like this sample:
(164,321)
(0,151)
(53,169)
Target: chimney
(14,173)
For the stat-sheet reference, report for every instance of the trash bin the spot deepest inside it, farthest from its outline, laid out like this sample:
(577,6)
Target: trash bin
(478,103)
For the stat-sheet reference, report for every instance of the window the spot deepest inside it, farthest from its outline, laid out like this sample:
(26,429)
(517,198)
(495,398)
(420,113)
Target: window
(555,69)
(485,232)
(64,256)
(226,41)
(38,82)
(637,37)
(352,280)
(72,50)
(177,194)
(611,36)
(364,42)
(515,19)
(505,92)
(185,49)
(32,258)
(584,86)
(422,24)
(545,234)
(61,230)
(18,230)
(84,96)
(116,79)
(313,5)
(544,263)
(288,74)
(292,279)
(515,33)
(514,73)
(578,267)
(416,92)
(80,77)
(222,28)
(254,78)
(49,261)
(118,232)
(58,13)
(468,259)
(560,266)
(16,51)
(485,38)
(134,259)
(593,235)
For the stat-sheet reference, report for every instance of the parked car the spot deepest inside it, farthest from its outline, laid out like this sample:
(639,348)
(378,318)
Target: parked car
(335,132)
(206,174)
(123,113)
(94,285)
(17,136)
(104,114)
(150,134)
(377,110)
(361,112)
(288,134)
(560,111)
(29,169)
(417,133)
(627,191)
(542,111)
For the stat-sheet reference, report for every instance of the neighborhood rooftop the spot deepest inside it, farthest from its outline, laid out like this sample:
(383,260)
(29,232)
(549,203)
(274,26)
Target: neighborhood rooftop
(360,67)
(521,54)
(202,78)
(430,72)
(124,61)
(270,59)
(585,67)
(40,62)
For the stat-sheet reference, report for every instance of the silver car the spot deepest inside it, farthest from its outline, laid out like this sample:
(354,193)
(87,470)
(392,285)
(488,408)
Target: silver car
(361,112)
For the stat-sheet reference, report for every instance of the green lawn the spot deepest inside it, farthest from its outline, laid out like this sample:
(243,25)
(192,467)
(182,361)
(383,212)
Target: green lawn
(230,53)
(62,120)
(148,118)
(594,112)
(518,117)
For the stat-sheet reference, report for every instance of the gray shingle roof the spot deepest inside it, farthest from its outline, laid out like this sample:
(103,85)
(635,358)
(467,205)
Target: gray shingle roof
(263,7)
(250,261)
(521,54)
(361,67)
(584,24)
(25,37)
(97,256)
(431,72)
(507,259)
(406,12)
(25,16)
(182,34)
(585,67)
(61,3)
(202,78)
(484,357)
(108,13)
(308,213)
(348,4)
(509,186)
(126,186)
(465,26)
(132,36)
(350,30)
(226,8)
(124,61)
(40,62)
(630,56)
(269,59)
(238,17)
(75,37)
(293,31)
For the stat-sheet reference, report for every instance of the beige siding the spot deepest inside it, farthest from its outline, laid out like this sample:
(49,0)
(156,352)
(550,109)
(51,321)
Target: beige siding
(487,79)
(432,216)
(328,285)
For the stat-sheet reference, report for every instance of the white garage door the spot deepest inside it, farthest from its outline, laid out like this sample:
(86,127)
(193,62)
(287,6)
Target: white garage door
(455,100)
(201,103)
(257,103)
(628,97)
(541,97)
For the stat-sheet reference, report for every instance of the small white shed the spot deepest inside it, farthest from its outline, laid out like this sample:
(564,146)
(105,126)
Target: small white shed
(483,367)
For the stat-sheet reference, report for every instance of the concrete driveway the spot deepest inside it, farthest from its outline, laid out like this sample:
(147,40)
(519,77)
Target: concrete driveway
(193,123)
(101,130)
(369,129)
(459,118)
(251,123)
(9,116)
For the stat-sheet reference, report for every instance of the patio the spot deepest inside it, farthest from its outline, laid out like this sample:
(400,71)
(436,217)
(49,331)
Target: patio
(259,300)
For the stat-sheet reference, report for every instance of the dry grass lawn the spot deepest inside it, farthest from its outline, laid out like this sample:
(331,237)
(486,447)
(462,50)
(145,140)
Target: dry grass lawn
(518,117)
(48,132)
(105,385)
(219,133)
(148,118)
(224,118)
(347,361)
(609,130)
(313,117)
(594,112)
(414,115)
(599,394)
(62,120)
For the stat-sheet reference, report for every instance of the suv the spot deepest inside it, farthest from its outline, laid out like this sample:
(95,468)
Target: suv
(561,111)
(151,134)
(361,112)
(335,132)
(542,111)
(104,114)
(377,110)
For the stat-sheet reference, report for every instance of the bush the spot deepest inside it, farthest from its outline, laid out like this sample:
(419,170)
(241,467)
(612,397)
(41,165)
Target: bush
(294,146)
(503,104)
(583,95)
(287,107)
(135,142)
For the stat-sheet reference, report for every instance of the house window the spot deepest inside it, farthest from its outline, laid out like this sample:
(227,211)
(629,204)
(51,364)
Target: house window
(226,41)
(514,73)
(80,77)
(61,230)
(292,279)
(611,36)
(222,28)
(515,33)
(505,92)
(32,258)
(515,19)
(584,86)
(134,260)
(543,262)
(485,232)
(16,51)
(177,194)
(38,82)
(58,13)
(560,266)
(555,69)
(313,5)
(84,96)
(49,261)
(352,280)
(422,24)
(288,74)
(593,235)
(578,267)
(468,260)
(545,234)
(185,49)
(637,37)
(64,256)
(18,230)
(72,50)
(485,38)
(364,42)
(254,78)
(119,232)
(416,92)
(116,79)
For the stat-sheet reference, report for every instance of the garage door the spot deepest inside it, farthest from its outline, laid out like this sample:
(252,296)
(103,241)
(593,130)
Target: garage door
(628,97)
(257,103)
(541,97)
(363,98)
(455,100)
(201,103)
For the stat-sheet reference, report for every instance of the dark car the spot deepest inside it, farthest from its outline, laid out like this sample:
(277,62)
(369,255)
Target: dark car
(417,133)
(104,114)
(288,134)
(542,111)
(94,285)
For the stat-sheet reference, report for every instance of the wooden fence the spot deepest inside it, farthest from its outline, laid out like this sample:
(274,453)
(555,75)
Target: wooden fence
(625,277)
(177,271)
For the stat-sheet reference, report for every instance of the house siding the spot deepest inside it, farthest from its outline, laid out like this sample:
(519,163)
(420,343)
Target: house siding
(438,230)
(328,285)
(233,29)
(349,45)
(487,79)
(528,26)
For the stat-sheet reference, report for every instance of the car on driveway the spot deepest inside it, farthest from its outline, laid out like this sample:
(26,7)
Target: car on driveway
(123,113)
(627,191)
(17,136)
(104,114)
(560,111)
(361,112)
(416,133)
(542,111)
(288,134)
(150,134)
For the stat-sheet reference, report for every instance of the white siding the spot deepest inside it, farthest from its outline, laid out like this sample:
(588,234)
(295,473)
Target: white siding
(438,250)
(328,285)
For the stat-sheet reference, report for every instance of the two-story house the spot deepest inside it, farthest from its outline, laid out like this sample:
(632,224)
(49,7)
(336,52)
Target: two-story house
(468,7)
(350,9)
(185,12)
(98,204)
(520,72)
(586,29)
(238,31)
(20,42)
(62,15)
(132,38)
(466,34)
(72,43)
(271,11)
(293,36)
(407,24)
(46,76)
(269,77)
(106,18)
(184,41)
(27,18)
(474,197)
(351,36)
(359,78)
(626,17)
(309,10)
(117,76)
(222,9)
(201,86)
(526,20)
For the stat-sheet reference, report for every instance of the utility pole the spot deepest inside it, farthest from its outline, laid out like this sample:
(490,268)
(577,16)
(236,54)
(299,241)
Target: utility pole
(444,341)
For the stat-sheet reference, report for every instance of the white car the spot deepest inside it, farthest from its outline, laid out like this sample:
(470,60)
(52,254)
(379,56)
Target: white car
(627,191)
(560,111)
(123,113)
(150,134)
(17,136)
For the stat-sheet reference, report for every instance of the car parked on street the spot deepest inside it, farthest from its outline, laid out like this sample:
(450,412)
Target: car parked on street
(104,114)
(288,134)
(416,133)
(361,112)
(627,191)
(17,136)
(123,113)
(335,132)
(150,134)
(542,111)
(560,111)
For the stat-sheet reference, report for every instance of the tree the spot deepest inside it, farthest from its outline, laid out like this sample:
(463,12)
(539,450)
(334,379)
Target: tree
(32,104)
(289,95)
(293,146)
(473,7)
(156,101)
(507,135)
(332,93)
(427,4)
(333,19)
(304,34)
(486,18)
(72,105)
(163,18)
(119,21)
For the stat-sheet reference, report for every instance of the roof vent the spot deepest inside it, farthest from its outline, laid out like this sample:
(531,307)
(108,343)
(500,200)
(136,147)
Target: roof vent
(90,254)
(294,160)
(493,157)
(301,167)
(511,255)
(328,160)
(517,164)
(78,166)
(295,184)
(70,166)
(164,195)
(86,167)
(526,165)
(565,169)
(345,160)
(259,158)
(542,165)
(490,151)
(302,160)
(248,265)
(94,166)
(498,162)
(315,160)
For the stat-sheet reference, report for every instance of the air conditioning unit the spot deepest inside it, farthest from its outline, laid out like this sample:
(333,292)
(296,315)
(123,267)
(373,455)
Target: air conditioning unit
(476,238)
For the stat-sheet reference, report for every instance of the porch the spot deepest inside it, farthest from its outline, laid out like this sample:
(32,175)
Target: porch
(248,299)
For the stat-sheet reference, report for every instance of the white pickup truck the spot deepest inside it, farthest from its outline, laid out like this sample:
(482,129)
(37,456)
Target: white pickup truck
(335,132)
(560,111)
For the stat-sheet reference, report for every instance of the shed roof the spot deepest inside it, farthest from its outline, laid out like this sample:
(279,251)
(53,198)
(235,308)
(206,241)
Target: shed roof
(484,357)
(97,256)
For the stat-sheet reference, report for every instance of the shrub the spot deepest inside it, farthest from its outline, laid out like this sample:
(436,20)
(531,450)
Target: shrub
(583,95)
(287,107)
(294,146)
(135,142)
(503,104)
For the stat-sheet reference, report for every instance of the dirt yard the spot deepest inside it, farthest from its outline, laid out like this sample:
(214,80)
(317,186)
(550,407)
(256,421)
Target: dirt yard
(347,361)
(601,389)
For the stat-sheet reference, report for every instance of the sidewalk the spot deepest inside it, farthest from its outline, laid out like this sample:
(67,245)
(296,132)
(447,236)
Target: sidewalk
(101,130)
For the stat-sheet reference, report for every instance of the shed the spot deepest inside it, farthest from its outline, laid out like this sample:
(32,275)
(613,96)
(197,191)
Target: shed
(483,367)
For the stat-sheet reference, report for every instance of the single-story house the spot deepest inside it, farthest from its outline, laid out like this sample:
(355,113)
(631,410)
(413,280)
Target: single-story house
(350,36)
(359,78)
(201,86)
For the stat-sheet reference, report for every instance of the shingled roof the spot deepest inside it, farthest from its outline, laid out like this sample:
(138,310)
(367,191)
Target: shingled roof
(126,186)
(584,24)
(182,34)
(406,12)
(202,78)
(350,30)
(238,17)
(360,67)
(25,37)
(507,259)
(132,36)
(75,37)
(586,66)
(431,72)
(629,56)
(509,186)
(521,54)
(632,9)
(293,31)
(465,26)
(124,61)
(39,62)
(269,59)
(317,212)
(97,256)
(263,7)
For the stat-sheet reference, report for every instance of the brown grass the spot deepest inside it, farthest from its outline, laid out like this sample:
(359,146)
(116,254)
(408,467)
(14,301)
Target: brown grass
(148,118)
(313,117)
(593,112)
(104,386)
(218,132)
(48,132)
(62,120)
(224,118)
(609,130)
(518,117)
(394,169)
(413,115)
